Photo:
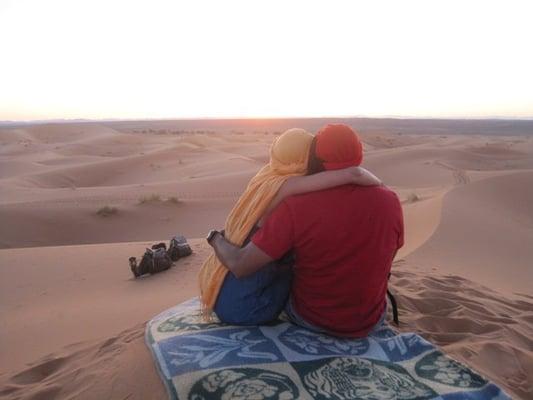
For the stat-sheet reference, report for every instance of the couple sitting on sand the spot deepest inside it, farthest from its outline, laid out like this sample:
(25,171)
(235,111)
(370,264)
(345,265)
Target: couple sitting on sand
(313,235)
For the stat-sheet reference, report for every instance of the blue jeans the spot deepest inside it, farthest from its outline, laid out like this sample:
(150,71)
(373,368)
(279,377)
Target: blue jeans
(300,321)
(256,299)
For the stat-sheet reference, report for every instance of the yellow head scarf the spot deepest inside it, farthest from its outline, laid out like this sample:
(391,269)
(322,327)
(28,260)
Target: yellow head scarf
(288,157)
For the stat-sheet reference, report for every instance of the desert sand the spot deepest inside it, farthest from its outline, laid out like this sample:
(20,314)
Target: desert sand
(77,199)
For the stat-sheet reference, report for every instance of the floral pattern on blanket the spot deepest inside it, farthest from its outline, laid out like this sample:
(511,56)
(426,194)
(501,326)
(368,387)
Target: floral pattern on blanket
(437,367)
(203,361)
(231,347)
(403,347)
(187,322)
(359,378)
(307,342)
(244,384)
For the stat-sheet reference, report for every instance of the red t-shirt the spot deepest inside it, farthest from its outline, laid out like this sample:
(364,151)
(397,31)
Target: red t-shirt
(344,240)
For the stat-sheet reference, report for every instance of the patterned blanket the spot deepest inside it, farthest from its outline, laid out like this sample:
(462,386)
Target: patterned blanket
(199,360)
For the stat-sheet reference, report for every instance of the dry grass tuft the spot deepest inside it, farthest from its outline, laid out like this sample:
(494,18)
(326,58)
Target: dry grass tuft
(413,197)
(153,198)
(173,200)
(107,211)
(156,198)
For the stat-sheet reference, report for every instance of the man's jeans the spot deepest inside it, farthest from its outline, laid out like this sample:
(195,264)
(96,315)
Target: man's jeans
(300,321)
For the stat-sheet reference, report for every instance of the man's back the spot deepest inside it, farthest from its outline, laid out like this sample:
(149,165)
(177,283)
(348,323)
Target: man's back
(345,239)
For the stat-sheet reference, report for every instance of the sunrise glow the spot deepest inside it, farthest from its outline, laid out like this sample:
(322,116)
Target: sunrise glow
(183,59)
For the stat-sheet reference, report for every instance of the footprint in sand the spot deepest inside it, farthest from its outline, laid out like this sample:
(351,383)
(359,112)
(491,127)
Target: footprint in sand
(39,372)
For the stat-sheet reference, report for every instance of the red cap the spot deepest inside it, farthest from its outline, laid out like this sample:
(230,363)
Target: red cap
(338,146)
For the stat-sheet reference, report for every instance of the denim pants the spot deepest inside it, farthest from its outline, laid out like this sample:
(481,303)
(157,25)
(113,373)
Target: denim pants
(256,299)
(259,298)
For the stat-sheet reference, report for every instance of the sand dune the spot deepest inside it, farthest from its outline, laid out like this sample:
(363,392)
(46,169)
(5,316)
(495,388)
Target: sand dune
(473,323)
(29,226)
(67,296)
(401,167)
(486,233)
(422,216)
(100,311)
(116,368)
(60,133)
(155,167)
(463,279)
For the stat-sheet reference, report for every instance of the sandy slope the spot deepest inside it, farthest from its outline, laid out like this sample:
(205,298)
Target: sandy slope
(72,318)
(83,296)
(73,321)
(486,233)
(475,324)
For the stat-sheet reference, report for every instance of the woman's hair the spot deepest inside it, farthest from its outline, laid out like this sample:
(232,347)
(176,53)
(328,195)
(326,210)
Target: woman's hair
(315,164)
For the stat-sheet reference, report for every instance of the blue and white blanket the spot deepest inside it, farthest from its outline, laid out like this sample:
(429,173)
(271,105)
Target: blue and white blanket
(199,360)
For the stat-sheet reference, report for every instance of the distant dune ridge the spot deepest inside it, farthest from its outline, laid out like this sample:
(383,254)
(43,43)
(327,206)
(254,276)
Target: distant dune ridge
(72,317)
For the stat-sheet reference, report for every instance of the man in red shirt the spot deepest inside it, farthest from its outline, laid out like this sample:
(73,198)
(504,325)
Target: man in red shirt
(344,240)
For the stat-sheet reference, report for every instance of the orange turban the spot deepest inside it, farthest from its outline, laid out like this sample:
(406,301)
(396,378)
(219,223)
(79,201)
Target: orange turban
(338,146)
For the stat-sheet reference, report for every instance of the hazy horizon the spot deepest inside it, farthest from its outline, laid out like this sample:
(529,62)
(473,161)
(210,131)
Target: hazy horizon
(154,60)
(379,117)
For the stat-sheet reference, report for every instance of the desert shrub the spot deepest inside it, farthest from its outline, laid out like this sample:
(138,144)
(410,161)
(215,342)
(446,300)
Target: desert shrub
(413,197)
(153,198)
(107,211)
(173,200)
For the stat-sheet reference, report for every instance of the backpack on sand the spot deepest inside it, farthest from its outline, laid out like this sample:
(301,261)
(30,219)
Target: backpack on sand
(179,248)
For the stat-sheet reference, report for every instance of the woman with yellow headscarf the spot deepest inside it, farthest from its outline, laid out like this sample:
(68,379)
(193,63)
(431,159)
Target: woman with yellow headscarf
(259,298)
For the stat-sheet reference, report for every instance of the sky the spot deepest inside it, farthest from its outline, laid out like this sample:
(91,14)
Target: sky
(195,59)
